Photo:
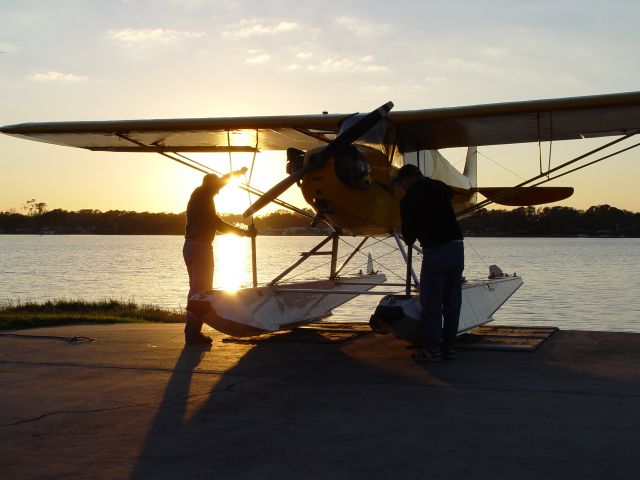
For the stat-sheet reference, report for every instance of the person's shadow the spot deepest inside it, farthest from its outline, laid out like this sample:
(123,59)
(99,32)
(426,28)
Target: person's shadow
(171,412)
(252,410)
(356,409)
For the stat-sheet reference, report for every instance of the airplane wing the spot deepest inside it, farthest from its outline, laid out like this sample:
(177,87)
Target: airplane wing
(522,122)
(489,124)
(239,134)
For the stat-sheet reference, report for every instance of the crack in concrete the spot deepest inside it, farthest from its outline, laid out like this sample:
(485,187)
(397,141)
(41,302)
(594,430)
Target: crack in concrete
(295,377)
(122,407)
(111,367)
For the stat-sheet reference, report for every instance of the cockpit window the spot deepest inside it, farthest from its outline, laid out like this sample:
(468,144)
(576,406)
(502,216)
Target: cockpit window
(352,168)
(382,136)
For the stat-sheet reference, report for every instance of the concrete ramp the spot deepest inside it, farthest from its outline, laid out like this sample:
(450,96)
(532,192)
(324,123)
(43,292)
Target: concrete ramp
(136,404)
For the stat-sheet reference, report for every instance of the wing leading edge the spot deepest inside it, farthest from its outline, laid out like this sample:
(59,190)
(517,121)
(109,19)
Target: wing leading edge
(523,122)
(489,124)
(186,134)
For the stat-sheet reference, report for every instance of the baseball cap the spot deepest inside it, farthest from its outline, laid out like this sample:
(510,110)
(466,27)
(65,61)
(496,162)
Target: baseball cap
(407,171)
(213,180)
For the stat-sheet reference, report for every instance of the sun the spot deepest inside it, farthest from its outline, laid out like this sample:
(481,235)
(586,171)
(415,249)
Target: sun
(269,168)
(231,199)
(231,260)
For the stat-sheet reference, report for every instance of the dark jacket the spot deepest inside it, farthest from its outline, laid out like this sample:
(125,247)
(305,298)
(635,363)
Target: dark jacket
(202,220)
(427,214)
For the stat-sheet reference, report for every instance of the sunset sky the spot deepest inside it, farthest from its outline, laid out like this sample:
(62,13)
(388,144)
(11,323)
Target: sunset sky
(104,60)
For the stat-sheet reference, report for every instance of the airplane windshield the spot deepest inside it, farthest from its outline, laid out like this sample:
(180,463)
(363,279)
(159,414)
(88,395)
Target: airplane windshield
(399,147)
(382,136)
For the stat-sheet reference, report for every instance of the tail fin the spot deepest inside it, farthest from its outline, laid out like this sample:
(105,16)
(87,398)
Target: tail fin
(471,171)
(471,166)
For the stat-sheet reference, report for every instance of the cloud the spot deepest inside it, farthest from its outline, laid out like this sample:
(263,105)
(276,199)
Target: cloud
(335,63)
(250,28)
(259,58)
(464,64)
(147,38)
(52,76)
(495,52)
(362,28)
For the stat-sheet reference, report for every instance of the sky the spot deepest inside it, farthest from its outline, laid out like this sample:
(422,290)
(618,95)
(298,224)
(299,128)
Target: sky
(128,59)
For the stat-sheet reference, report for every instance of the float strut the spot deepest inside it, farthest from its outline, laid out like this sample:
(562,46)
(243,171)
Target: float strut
(404,255)
(409,270)
(254,263)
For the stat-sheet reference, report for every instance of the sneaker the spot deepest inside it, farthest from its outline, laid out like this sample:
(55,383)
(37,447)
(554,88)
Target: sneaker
(428,355)
(199,339)
(449,353)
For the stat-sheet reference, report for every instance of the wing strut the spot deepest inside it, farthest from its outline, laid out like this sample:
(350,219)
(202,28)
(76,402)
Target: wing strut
(410,271)
(588,164)
(508,191)
(206,170)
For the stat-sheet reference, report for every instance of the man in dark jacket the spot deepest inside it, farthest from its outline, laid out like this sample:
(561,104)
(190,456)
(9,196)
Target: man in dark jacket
(427,215)
(202,225)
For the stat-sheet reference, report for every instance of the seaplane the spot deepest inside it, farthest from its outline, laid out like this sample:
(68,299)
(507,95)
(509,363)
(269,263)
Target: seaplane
(344,165)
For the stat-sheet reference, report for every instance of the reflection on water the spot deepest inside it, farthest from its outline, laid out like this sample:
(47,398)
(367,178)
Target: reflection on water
(579,283)
(230,262)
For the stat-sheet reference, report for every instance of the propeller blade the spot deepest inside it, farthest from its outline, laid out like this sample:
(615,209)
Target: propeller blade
(355,131)
(342,141)
(275,191)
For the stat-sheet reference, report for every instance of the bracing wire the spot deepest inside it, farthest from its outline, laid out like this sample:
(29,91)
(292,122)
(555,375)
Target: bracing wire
(317,267)
(229,145)
(382,265)
(588,164)
(253,160)
(550,142)
(506,192)
(194,162)
(500,165)
(248,181)
(359,266)
(201,168)
(539,146)
(467,242)
(392,249)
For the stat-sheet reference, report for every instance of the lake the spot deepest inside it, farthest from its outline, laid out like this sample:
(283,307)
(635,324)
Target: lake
(571,283)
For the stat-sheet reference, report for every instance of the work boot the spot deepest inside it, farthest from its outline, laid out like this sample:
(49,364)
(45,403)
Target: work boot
(192,333)
(432,355)
(197,339)
(449,353)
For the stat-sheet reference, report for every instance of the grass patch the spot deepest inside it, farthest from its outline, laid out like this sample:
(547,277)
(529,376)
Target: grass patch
(65,312)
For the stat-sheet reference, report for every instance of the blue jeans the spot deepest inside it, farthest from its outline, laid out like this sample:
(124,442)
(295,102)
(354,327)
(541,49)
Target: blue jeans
(441,293)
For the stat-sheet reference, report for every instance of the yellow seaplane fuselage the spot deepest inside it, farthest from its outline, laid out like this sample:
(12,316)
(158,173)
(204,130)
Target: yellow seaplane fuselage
(353,191)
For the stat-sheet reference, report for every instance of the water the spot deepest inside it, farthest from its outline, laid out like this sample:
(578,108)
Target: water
(571,283)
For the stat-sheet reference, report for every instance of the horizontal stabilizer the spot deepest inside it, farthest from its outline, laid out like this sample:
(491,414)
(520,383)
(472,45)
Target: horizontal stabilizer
(524,196)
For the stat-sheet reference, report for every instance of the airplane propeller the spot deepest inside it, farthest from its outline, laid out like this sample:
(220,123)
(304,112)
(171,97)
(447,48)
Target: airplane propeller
(316,161)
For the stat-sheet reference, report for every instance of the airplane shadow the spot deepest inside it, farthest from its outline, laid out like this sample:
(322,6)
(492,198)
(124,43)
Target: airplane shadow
(251,410)
(314,410)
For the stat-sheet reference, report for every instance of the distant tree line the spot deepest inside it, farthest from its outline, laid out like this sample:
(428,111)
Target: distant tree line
(38,219)
(113,222)
(523,221)
(548,221)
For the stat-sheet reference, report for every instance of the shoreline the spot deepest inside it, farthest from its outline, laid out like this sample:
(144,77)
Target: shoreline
(64,312)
